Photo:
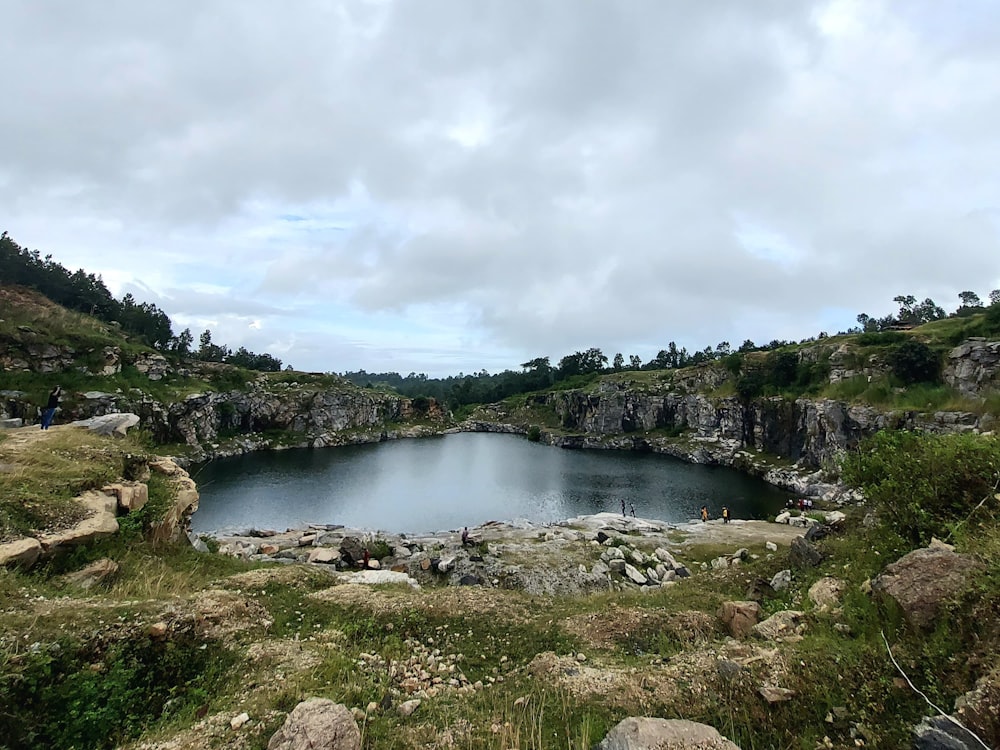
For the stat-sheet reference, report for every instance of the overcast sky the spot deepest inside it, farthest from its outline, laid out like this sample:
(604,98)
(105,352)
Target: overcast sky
(450,185)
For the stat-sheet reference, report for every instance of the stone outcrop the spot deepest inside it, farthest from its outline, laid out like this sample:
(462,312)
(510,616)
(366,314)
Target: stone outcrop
(923,580)
(644,733)
(973,367)
(176,521)
(315,723)
(101,521)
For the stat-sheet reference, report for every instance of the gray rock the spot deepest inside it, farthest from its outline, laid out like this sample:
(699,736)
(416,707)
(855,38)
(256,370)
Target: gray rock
(197,543)
(644,733)
(781,580)
(941,733)
(617,566)
(116,425)
(10,424)
(634,575)
(317,722)
(803,554)
(600,569)
(778,625)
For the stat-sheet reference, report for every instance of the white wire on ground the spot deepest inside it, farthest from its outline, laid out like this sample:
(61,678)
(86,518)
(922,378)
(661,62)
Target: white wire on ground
(929,702)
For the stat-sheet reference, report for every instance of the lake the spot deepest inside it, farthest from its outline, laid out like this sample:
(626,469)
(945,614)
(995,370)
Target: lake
(464,479)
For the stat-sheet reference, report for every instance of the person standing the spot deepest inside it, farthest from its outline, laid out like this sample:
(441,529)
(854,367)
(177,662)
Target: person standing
(725,514)
(631,508)
(50,407)
(623,507)
(704,513)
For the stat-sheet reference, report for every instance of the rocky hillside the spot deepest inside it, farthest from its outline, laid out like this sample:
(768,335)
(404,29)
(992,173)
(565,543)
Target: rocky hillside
(206,409)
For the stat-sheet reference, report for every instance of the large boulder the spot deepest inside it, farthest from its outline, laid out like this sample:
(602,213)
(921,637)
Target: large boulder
(921,581)
(644,733)
(803,554)
(739,617)
(315,723)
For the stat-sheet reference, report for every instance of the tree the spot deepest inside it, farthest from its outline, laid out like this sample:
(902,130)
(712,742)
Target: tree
(970,299)
(995,297)
(634,362)
(747,346)
(722,349)
(619,362)
(182,342)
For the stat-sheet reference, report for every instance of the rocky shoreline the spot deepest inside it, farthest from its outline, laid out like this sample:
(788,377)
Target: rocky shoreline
(588,553)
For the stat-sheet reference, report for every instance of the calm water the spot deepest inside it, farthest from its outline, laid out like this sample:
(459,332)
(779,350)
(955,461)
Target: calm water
(451,481)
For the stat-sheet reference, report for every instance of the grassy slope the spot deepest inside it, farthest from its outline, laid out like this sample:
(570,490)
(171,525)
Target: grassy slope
(81,668)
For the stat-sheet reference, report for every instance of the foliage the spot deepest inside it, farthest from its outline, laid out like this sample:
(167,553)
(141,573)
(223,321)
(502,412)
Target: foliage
(880,338)
(915,362)
(534,433)
(921,484)
(57,698)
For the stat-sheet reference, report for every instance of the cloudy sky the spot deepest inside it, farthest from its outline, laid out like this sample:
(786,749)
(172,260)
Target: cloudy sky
(449,185)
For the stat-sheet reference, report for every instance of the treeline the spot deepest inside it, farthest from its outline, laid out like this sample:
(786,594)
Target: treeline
(86,293)
(910,361)
(912,313)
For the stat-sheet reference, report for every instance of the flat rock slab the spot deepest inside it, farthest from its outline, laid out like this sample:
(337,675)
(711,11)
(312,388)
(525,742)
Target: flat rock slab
(101,521)
(376,577)
(22,553)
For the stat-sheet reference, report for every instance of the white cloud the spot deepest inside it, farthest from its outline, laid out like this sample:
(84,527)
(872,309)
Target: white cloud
(502,180)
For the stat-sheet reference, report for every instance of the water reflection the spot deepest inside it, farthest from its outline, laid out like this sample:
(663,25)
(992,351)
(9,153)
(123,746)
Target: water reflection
(450,481)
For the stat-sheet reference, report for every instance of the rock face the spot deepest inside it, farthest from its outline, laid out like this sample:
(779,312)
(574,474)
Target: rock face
(973,367)
(643,733)
(922,580)
(176,521)
(317,723)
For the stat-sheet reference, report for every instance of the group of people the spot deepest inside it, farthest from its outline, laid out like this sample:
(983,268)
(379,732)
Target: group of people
(802,503)
(725,514)
(631,507)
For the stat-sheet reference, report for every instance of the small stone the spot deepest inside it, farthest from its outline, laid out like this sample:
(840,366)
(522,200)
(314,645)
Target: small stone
(157,629)
(237,721)
(581,657)
(771,546)
(408,707)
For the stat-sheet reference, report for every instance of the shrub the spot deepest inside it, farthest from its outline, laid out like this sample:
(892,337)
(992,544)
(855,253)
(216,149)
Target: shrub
(534,433)
(915,362)
(923,485)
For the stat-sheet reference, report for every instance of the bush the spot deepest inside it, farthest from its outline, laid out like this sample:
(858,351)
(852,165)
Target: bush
(534,433)
(915,362)
(923,485)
